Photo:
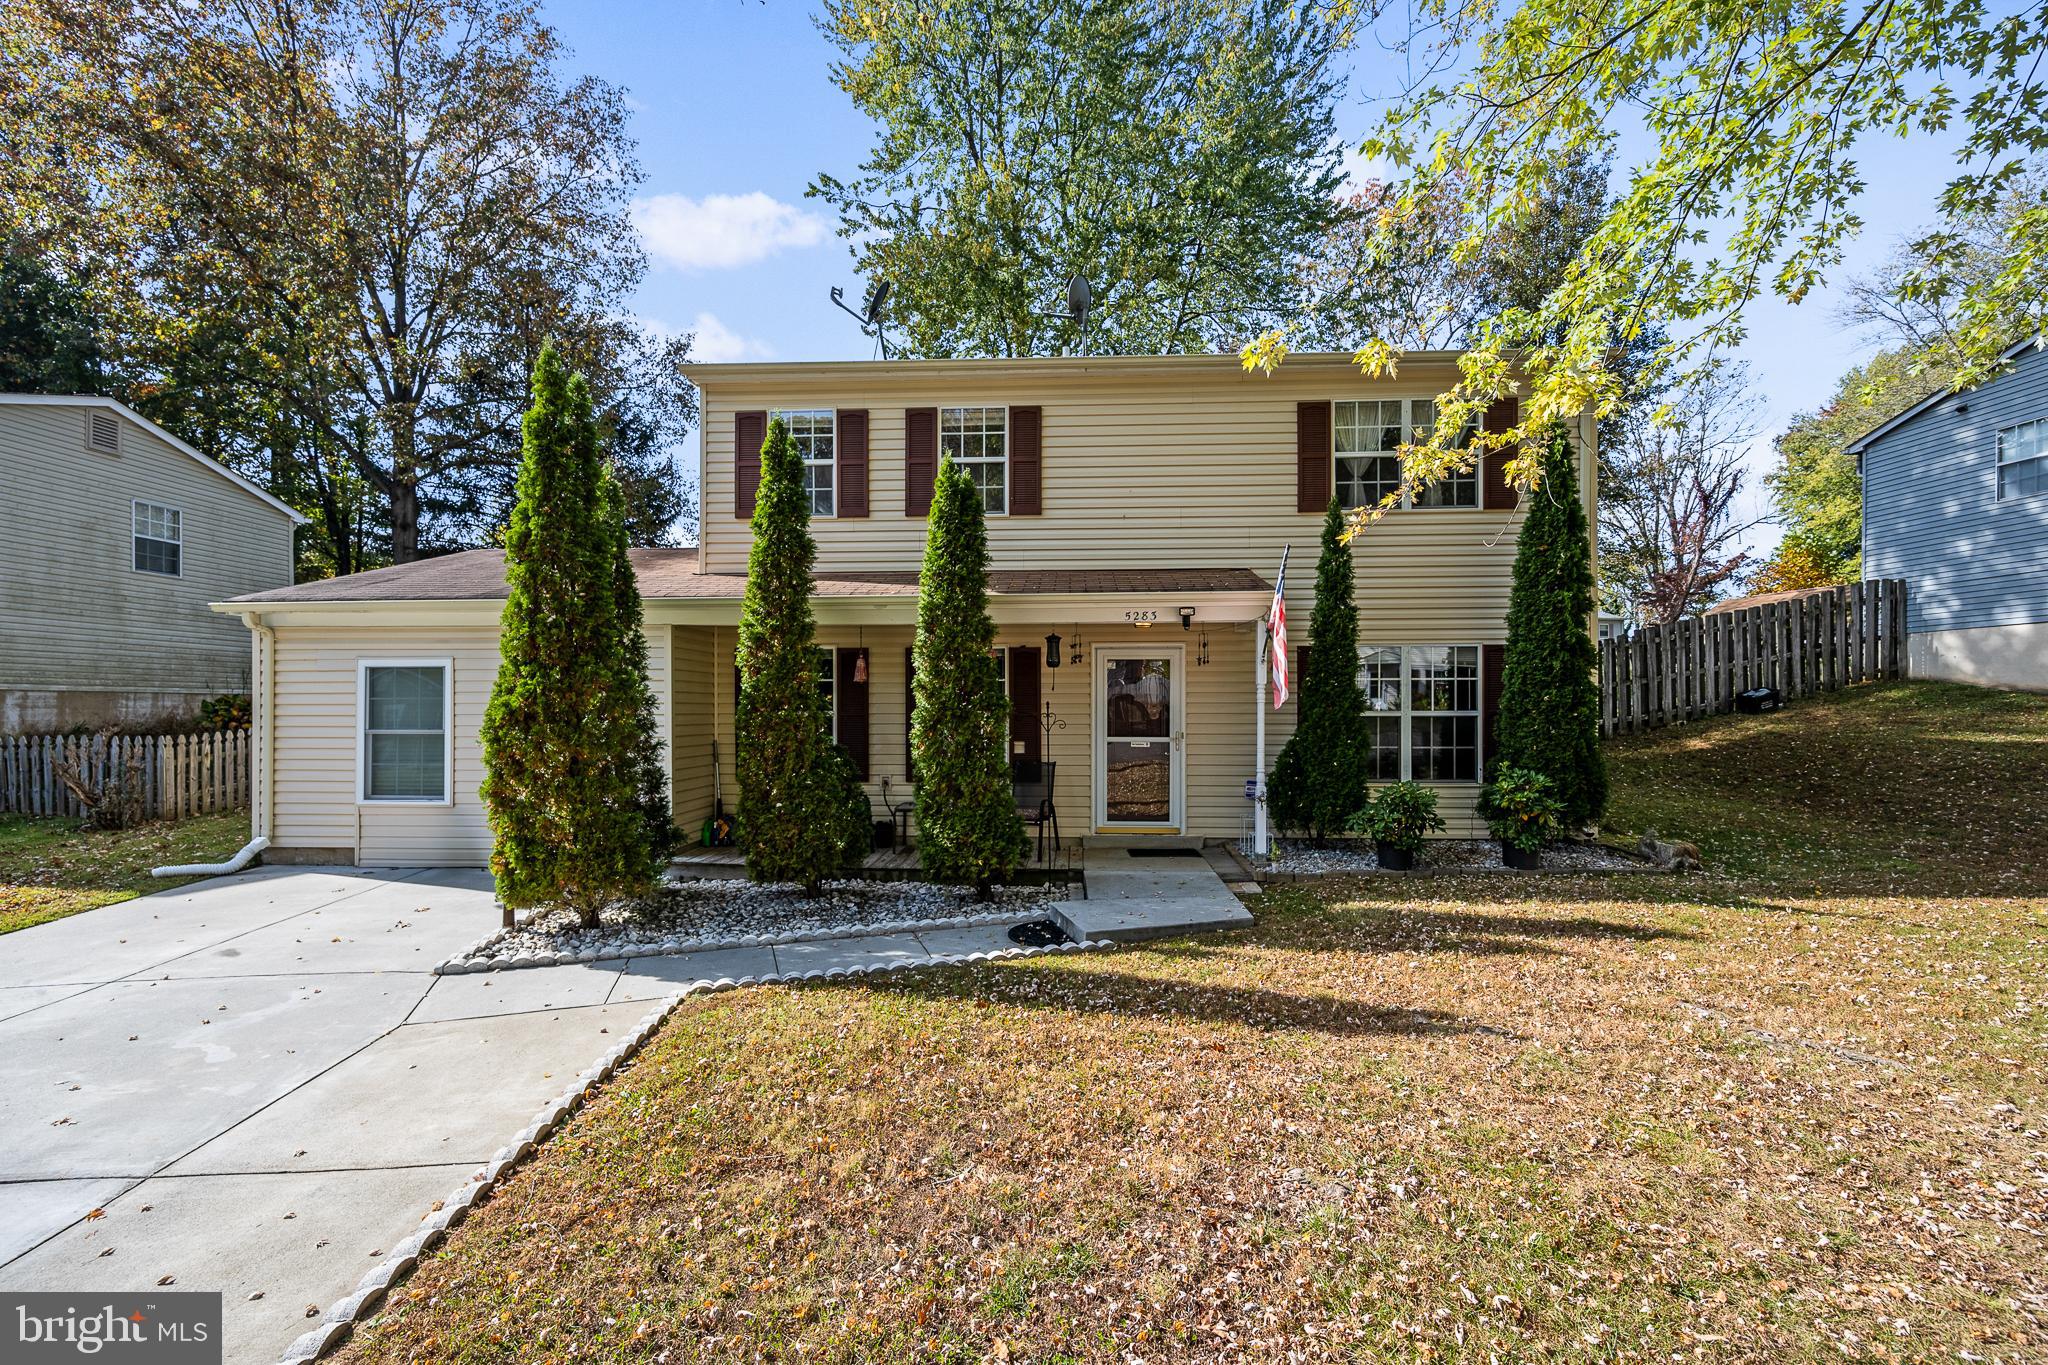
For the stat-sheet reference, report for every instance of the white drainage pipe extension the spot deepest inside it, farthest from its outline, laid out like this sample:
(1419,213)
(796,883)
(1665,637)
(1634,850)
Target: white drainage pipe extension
(234,864)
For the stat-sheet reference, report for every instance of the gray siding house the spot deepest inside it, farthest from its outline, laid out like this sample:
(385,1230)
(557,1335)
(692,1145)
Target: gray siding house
(1955,501)
(114,537)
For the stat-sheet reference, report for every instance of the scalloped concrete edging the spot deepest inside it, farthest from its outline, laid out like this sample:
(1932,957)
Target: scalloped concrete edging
(362,1302)
(463,963)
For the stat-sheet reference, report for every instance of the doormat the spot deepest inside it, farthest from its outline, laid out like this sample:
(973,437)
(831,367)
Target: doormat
(1038,933)
(1164,852)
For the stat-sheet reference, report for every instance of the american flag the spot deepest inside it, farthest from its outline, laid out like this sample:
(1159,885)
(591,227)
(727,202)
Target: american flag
(1276,624)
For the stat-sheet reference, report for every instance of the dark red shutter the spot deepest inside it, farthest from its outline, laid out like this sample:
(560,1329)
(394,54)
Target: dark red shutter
(1027,461)
(1496,493)
(1312,455)
(853,462)
(1025,734)
(852,695)
(749,433)
(909,711)
(920,459)
(1492,662)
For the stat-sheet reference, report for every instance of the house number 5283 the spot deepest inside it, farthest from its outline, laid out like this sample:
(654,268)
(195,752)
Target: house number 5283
(1141,616)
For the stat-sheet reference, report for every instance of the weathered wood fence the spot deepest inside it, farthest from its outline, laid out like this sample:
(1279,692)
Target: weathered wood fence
(1823,640)
(167,777)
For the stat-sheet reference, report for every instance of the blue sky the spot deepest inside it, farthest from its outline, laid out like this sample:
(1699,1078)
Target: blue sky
(735,114)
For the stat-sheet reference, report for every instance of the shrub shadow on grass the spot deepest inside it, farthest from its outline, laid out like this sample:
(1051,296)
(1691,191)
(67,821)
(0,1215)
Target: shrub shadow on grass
(1135,996)
(1368,926)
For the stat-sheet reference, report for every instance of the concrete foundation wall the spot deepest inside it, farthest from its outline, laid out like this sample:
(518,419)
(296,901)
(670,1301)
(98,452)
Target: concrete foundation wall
(49,710)
(1989,656)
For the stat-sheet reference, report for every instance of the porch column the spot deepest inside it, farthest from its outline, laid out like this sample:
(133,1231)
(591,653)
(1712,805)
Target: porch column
(1259,843)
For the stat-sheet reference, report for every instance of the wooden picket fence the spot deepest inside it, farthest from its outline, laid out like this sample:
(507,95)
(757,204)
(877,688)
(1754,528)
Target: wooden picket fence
(1824,640)
(174,776)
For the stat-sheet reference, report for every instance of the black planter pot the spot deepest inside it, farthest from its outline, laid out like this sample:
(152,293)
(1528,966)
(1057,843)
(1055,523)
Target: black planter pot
(1393,859)
(1521,859)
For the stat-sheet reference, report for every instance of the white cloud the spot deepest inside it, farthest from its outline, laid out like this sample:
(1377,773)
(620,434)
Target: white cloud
(714,343)
(721,231)
(1358,168)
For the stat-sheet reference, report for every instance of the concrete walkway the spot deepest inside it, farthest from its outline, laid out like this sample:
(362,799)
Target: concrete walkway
(1133,898)
(255,1085)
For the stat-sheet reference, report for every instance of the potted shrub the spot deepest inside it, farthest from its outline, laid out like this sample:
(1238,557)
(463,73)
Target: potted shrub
(1397,820)
(1522,809)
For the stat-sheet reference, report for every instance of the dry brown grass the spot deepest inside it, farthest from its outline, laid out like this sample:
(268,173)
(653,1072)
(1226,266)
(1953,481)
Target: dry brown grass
(1758,1117)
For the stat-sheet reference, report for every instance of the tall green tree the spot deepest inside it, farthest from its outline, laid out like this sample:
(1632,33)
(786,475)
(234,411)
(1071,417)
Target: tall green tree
(968,829)
(563,741)
(49,340)
(1755,119)
(1548,719)
(790,806)
(1319,780)
(649,749)
(328,238)
(1177,154)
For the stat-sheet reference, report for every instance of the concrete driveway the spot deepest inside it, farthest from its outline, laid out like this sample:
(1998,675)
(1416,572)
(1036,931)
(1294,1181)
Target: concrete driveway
(256,1085)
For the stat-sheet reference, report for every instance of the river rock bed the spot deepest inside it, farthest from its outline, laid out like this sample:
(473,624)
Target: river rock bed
(1447,855)
(694,916)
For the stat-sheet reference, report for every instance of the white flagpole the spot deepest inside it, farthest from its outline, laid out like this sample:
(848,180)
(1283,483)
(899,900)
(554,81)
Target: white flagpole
(1259,762)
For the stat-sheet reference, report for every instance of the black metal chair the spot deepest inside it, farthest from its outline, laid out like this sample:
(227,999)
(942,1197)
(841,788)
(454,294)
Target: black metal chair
(1031,780)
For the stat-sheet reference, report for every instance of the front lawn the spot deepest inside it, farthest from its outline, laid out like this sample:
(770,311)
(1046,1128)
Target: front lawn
(52,868)
(1792,1111)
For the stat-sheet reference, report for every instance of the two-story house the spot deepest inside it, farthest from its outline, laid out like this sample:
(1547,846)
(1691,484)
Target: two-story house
(115,536)
(1137,509)
(1955,501)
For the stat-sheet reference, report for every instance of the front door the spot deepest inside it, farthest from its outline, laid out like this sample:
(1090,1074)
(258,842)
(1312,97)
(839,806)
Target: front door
(1138,739)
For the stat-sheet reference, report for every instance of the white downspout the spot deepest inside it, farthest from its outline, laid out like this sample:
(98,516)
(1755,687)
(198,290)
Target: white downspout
(263,661)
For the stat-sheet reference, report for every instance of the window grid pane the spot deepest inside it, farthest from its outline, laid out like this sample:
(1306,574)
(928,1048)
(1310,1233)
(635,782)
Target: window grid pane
(1422,711)
(158,533)
(812,431)
(977,439)
(404,743)
(2023,460)
(1368,435)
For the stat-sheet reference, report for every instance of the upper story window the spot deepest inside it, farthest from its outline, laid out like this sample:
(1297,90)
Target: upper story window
(1422,711)
(978,440)
(814,434)
(2023,460)
(159,539)
(1368,435)
(405,737)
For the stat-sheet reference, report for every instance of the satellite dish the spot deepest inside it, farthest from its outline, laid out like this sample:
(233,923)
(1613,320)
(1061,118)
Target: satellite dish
(1079,298)
(870,315)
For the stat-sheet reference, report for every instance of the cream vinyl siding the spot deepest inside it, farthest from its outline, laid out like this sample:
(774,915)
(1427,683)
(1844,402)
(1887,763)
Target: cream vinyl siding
(695,727)
(317,740)
(74,612)
(1169,468)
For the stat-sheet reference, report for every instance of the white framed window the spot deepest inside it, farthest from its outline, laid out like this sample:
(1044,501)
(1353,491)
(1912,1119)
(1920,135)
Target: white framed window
(1367,436)
(1422,711)
(978,440)
(815,434)
(405,732)
(828,690)
(2023,460)
(159,539)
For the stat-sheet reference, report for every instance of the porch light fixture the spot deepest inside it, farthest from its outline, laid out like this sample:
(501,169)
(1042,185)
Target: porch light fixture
(1187,618)
(1052,651)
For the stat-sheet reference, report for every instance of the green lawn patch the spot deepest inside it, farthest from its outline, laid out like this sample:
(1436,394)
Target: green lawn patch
(52,868)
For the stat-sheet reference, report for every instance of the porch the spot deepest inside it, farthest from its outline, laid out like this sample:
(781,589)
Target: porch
(1131,697)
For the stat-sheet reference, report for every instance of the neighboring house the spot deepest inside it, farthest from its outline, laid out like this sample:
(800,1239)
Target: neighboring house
(1137,508)
(1609,625)
(115,536)
(1955,501)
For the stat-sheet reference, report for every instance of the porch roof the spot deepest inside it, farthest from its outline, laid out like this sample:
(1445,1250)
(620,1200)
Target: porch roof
(671,575)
